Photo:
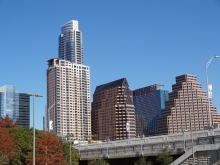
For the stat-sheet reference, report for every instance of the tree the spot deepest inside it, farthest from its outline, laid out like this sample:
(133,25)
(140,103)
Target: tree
(164,157)
(49,150)
(7,146)
(3,159)
(99,161)
(74,154)
(7,123)
(142,161)
(24,140)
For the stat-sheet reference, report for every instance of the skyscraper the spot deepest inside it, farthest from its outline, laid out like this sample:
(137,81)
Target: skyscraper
(68,87)
(113,111)
(148,102)
(15,105)
(70,43)
(187,107)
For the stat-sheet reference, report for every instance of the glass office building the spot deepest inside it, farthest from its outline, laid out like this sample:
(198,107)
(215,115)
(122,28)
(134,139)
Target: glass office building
(24,110)
(149,102)
(14,105)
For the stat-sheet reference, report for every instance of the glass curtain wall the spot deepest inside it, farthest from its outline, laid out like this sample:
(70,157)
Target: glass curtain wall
(148,107)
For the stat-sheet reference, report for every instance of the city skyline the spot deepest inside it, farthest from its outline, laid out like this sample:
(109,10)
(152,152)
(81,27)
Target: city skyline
(154,43)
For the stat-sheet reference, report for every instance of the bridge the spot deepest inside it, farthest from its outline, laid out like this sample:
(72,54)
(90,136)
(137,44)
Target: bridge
(202,145)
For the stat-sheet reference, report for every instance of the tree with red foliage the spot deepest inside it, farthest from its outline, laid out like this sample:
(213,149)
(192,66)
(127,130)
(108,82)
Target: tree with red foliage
(49,150)
(7,123)
(7,146)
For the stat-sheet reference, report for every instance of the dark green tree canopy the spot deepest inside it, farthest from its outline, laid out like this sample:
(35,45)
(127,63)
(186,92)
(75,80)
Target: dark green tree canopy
(164,157)
(74,154)
(142,161)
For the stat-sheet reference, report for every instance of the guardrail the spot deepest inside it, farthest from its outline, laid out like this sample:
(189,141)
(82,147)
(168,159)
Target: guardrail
(148,145)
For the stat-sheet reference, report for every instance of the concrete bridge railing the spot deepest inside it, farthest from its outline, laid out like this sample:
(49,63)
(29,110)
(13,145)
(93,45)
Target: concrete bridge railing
(148,146)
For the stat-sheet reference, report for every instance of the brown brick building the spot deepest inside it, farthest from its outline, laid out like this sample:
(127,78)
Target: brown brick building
(186,101)
(112,111)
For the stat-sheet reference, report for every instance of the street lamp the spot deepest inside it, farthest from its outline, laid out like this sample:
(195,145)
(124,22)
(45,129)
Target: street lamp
(184,141)
(34,95)
(192,138)
(206,68)
(68,136)
(48,116)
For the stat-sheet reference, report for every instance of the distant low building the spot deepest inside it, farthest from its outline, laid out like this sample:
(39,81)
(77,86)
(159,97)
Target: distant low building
(15,105)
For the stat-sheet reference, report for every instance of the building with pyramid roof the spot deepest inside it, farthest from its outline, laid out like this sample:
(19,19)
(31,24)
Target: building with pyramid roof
(113,111)
(187,107)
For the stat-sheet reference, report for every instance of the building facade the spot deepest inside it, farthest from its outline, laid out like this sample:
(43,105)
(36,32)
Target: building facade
(46,120)
(187,107)
(24,110)
(68,98)
(113,111)
(148,102)
(15,105)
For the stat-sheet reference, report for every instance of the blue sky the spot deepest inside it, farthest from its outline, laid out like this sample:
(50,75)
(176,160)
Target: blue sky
(146,41)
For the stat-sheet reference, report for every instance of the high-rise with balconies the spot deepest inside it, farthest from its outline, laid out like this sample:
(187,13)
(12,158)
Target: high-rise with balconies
(187,107)
(68,87)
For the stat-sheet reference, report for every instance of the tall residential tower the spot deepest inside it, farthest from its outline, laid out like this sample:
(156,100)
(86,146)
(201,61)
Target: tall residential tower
(68,87)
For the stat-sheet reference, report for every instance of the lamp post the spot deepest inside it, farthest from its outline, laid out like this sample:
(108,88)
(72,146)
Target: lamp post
(192,138)
(206,69)
(48,117)
(68,136)
(34,95)
(184,141)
